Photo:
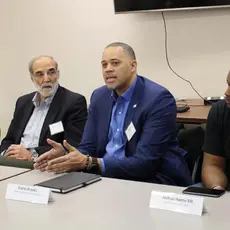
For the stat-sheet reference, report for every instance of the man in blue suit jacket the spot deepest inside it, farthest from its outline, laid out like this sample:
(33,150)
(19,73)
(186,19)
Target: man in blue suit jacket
(131,129)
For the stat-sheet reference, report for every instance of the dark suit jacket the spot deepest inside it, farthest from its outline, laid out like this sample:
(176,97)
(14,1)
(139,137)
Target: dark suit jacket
(67,106)
(152,154)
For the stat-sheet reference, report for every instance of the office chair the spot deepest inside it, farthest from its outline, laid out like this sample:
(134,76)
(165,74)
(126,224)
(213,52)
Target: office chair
(192,141)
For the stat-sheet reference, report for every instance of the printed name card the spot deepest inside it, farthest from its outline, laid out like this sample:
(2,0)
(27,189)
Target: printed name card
(177,202)
(32,194)
(56,128)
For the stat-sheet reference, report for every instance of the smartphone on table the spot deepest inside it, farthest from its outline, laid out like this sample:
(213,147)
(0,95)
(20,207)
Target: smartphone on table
(203,192)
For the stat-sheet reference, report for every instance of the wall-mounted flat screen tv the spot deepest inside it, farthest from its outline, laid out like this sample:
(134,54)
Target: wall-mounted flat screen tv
(128,6)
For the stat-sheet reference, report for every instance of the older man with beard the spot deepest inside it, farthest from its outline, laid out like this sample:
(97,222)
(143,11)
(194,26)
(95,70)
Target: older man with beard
(51,112)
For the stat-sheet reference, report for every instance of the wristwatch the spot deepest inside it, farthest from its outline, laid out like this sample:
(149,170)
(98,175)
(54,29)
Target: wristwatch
(94,166)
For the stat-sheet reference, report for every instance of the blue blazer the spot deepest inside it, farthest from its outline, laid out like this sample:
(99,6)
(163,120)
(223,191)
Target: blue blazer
(152,154)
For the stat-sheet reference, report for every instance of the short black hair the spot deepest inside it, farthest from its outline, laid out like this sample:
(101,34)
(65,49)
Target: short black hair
(127,49)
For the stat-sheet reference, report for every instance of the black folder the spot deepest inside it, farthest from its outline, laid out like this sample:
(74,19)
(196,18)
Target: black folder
(70,182)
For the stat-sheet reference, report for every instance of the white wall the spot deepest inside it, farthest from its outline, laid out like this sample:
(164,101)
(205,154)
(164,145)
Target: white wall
(75,32)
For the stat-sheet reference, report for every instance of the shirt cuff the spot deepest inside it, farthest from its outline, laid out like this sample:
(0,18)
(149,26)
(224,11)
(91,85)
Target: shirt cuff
(102,165)
(3,153)
(35,154)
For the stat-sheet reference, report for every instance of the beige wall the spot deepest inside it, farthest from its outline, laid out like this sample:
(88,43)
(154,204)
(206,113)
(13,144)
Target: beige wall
(75,32)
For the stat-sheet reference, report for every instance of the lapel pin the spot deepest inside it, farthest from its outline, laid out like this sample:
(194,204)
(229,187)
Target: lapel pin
(135,106)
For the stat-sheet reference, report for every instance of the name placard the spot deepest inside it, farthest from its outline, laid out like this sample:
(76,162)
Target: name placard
(177,202)
(32,194)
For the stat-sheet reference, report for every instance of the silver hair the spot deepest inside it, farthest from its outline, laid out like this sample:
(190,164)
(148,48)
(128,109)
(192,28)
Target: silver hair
(36,58)
(127,49)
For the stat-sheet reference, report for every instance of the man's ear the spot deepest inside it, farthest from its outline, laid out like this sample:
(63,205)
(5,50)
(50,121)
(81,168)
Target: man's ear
(58,74)
(134,65)
(31,77)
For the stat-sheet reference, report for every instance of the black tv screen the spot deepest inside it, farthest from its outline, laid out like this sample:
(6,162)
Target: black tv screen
(122,6)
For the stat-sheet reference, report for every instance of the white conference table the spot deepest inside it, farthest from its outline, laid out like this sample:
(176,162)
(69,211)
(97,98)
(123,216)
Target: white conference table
(7,172)
(106,205)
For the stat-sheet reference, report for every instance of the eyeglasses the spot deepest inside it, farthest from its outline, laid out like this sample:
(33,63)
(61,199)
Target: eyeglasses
(50,73)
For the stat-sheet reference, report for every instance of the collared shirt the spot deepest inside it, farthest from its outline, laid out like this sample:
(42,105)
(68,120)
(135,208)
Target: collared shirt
(31,135)
(116,144)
